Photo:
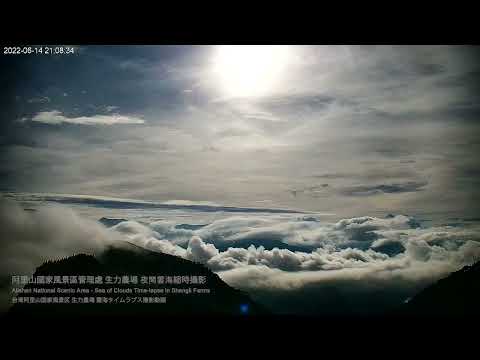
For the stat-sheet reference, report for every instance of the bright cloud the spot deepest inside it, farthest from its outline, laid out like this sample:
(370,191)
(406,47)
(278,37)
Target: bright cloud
(288,256)
(56,117)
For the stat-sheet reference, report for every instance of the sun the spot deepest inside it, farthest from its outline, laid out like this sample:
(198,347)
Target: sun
(250,70)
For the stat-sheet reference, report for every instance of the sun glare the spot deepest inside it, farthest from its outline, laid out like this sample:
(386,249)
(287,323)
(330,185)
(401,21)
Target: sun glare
(250,70)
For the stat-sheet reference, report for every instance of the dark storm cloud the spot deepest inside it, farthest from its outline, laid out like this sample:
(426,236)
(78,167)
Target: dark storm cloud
(393,171)
(471,172)
(394,188)
(111,203)
(369,180)
(373,172)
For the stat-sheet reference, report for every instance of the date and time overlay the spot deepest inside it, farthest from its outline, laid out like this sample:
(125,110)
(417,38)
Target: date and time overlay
(40,50)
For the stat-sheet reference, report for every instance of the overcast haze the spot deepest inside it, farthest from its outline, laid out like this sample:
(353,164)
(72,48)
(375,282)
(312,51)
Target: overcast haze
(331,128)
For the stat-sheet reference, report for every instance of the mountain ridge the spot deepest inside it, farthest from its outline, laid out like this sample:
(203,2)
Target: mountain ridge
(213,297)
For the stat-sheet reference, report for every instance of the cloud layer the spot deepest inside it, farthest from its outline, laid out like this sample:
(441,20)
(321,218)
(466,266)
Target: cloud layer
(30,237)
(388,259)
(290,262)
(56,117)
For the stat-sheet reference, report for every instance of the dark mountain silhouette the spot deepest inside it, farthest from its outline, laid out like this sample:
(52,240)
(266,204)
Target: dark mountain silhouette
(455,296)
(129,260)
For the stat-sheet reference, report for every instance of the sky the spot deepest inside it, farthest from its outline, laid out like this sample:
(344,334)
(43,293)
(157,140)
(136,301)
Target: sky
(343,129)
(313,177)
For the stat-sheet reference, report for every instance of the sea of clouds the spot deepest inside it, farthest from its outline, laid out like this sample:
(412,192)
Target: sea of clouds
(294,263)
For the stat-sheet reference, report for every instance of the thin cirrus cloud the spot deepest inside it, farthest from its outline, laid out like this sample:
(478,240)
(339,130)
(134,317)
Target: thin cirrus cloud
(56,117)
(350,128)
